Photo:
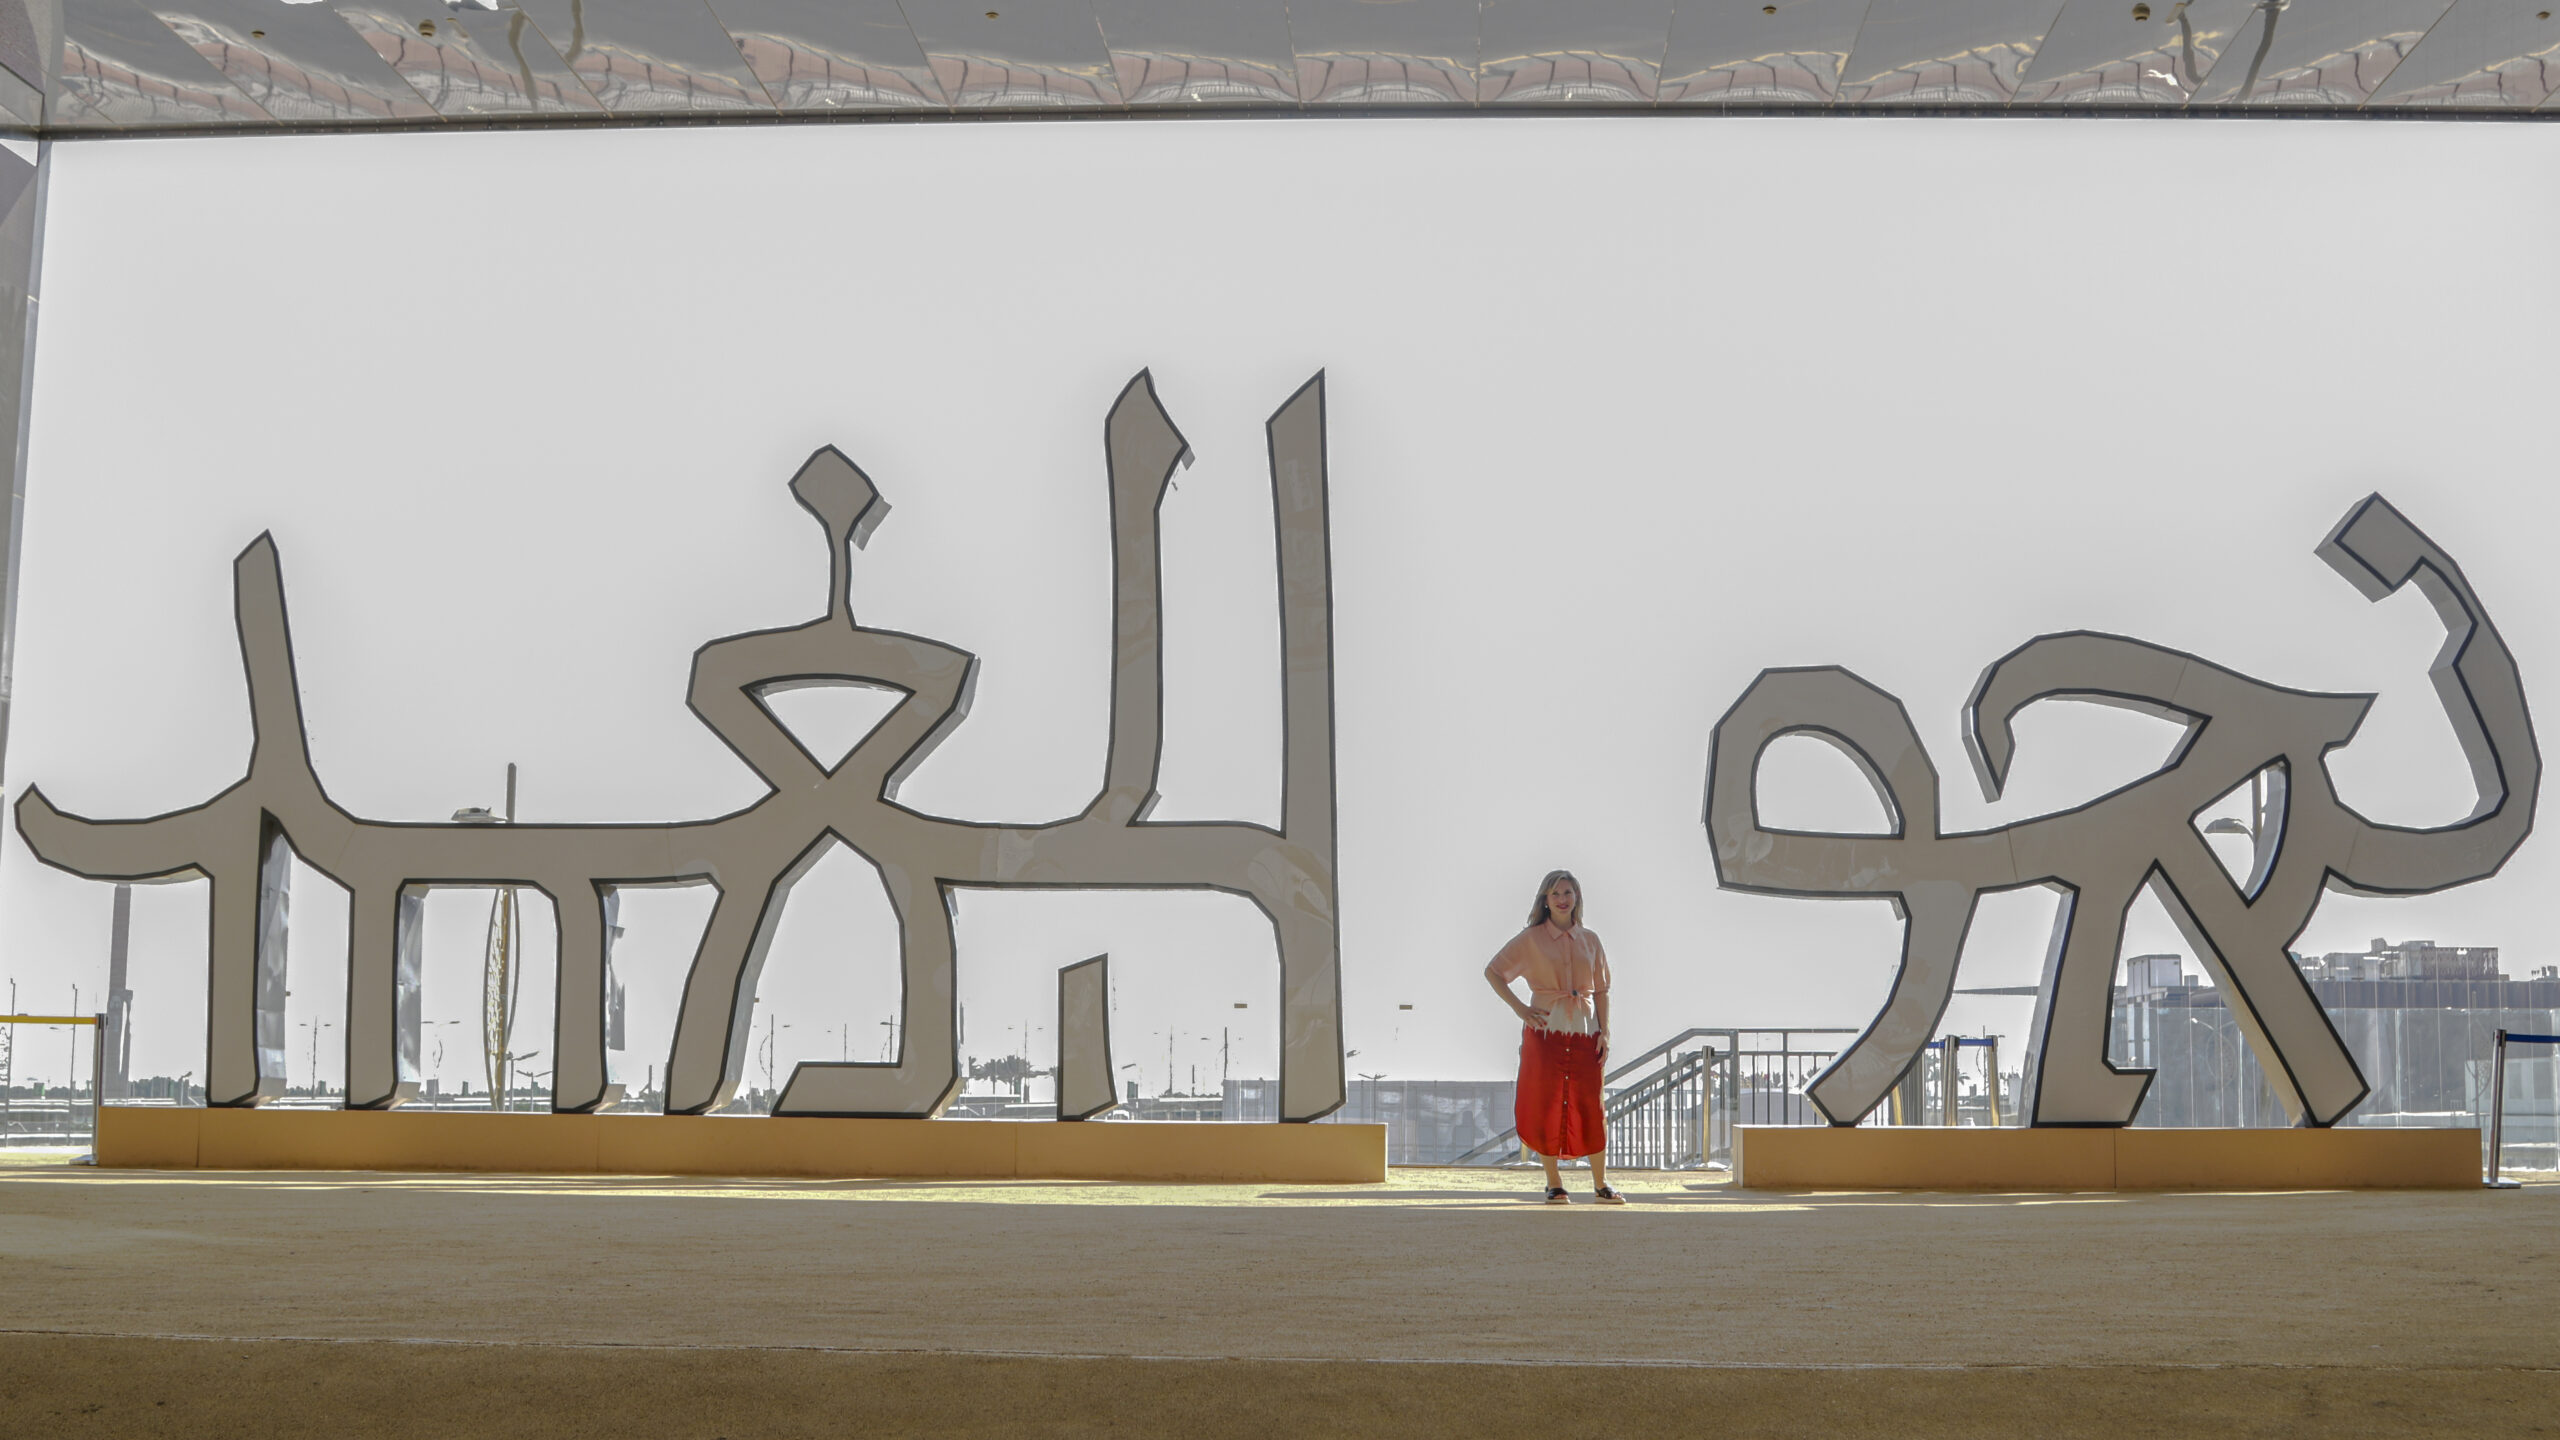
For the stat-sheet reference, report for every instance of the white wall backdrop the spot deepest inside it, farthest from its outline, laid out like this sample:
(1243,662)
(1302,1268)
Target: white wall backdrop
(1622,411)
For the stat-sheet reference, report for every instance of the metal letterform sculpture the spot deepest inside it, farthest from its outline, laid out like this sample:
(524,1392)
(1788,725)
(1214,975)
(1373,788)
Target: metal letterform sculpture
(2100,855)
(243,839)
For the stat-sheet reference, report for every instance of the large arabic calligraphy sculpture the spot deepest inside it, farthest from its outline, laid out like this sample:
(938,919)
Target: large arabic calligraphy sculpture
(244,838)
(2101,855)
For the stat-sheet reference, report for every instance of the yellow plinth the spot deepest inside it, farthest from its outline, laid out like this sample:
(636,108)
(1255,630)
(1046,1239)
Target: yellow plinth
(1769,1157)
(158,1138)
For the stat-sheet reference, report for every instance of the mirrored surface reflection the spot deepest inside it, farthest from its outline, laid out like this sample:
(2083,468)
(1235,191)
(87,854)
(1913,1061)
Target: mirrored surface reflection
(21,104)
(30,31)
(1787,52)
(128,69)
(832,54)
(250,63)
(991,54)
(1933,52)
(649,56)
(1595,52)
(469,60)
(298,62)
(1206,52)
(65,110)
(2330,53)
(2124,52)
(2484,54)
(24,29)
(1353,52)
(21,216)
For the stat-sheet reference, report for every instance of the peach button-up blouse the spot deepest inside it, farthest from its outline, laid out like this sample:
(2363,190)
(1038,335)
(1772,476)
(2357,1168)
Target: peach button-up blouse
(1562,989)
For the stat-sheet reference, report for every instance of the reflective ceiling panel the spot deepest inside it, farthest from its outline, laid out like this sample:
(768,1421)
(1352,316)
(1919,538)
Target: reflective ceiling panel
(1944,52)
(467,60)
(832,54)
(21,46)
(126,67)
(258,64)
(2484,54)
(997,54)
(1385,52)
(299,62)
(650,57)
(2329,53)
(67,111)
(2120,52)
(1598,51)
(29,35)
(1759,53)
(21,104)
(1200,52)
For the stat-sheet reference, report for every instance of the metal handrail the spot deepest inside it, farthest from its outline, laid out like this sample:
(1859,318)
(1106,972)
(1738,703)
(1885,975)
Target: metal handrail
(1623,1113)
(2498,1098)
(1731,1034)
(1627,1101)
(97,1069)
(1659,1051)
(1512,1135)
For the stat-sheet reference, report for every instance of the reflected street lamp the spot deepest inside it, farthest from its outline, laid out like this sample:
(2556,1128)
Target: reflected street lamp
(315,1027)
(2263,827)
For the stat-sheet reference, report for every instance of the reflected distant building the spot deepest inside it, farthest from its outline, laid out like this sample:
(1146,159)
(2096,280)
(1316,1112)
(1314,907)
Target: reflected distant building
(1429,1122)
(2408,960)
(2417,1016)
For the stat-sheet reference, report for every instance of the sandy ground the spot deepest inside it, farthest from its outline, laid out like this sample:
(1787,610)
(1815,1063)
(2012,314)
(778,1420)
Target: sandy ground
(1439,1303)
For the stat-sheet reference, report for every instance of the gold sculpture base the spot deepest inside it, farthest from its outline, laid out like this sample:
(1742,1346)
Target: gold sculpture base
(1918,1157)
(172,1138)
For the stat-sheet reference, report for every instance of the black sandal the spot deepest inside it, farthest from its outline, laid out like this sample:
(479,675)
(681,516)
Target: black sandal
(1557,1196)
(1607,1196)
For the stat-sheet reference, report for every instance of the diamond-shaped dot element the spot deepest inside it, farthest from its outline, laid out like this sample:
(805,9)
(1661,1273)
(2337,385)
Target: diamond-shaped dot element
(829,717)
(838,493)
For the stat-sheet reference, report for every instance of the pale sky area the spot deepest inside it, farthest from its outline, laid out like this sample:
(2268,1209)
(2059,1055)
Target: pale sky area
(1622,411)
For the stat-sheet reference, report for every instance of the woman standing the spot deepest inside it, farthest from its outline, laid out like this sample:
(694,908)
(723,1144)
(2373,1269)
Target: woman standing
(1564,1033)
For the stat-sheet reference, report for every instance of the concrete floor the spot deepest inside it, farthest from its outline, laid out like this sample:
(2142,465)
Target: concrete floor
(1439,1303)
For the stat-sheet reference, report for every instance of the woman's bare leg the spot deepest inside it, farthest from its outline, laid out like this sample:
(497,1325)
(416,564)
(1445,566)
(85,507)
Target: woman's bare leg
(1554,1181)
(1599,1175)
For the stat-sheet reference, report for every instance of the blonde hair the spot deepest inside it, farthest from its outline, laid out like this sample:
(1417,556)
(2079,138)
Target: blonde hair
(1581,902)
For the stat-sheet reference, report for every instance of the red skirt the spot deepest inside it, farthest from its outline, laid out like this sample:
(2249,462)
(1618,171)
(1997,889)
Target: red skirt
(1558,1109)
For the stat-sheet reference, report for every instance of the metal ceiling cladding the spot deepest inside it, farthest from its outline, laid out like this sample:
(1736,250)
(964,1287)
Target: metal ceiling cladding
(1927,52)
(21,48)
(469,60)
(651,57)
(1210,52)
(1609,51)
(2115,52)
(269,64)
(30,34)
(126,68)
(822,55)
(1736,52)
(2484,54)
(1019,54)
(2331,55)
(1353,52)
(298,62)
(71,112)
(1601,52)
